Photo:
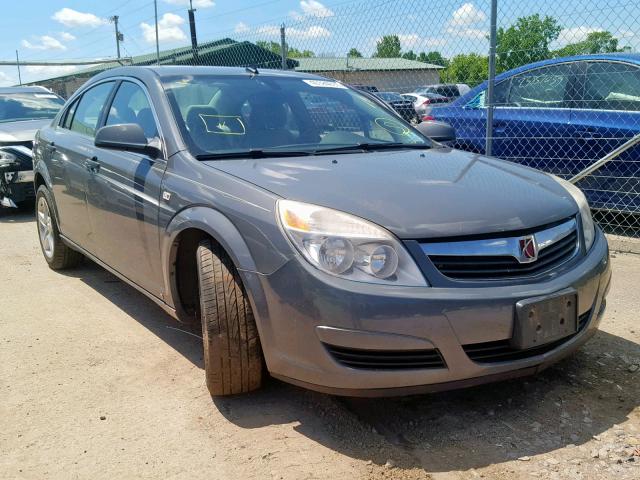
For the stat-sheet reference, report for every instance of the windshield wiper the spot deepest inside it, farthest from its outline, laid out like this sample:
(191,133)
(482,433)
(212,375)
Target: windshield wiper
(254,153)
(370,147)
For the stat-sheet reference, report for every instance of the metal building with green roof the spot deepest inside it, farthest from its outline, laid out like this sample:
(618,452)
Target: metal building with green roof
(225,52)
(388,74)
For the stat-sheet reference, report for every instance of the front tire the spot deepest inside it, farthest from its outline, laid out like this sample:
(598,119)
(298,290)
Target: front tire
(58,255)
(232,351)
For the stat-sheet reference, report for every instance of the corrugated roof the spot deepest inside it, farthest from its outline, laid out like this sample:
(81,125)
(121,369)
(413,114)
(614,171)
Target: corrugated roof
(324,64)
(225,52)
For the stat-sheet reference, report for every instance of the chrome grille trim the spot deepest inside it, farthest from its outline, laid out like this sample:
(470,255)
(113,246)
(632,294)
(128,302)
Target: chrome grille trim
(507,246)
(499,258)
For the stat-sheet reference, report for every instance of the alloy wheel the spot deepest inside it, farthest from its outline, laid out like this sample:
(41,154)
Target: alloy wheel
(45,228)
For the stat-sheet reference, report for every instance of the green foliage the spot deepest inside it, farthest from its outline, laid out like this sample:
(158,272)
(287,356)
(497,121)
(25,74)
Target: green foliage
(467,68)
(525,41)
(354,53)
(292,52)
(295,53)
(410,55)
(596,42)
(388,47)
(271,46)
(434,58)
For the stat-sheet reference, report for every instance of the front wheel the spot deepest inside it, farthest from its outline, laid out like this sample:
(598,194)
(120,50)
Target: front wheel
(58,255)
(232,351)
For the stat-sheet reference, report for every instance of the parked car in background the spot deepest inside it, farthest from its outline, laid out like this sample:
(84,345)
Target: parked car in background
(452,91)
(403,106)
(23,110)
(422,103)
(365,88)
(560,116)
(364,262)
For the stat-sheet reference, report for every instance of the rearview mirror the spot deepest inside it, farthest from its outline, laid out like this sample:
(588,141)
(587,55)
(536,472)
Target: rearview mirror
(439,131)
(125,136)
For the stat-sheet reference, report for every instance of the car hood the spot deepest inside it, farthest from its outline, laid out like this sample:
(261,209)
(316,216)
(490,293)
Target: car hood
(416,194)
(21,131)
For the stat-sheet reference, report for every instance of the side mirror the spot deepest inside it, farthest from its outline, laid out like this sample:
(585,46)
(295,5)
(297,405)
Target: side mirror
(126,136)
(439,131)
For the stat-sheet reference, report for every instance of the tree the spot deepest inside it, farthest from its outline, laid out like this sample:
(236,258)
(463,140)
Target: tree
(434,58)
(271,46)
(292,52)
(525,41)
(410,55)
(469,68)
(295,53)
(354,53)
(596,42)
(388,47)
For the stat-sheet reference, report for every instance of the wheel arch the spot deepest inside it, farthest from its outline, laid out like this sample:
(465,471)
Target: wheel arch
(178,247)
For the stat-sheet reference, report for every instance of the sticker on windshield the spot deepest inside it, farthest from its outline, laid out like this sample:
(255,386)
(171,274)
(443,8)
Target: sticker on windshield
(223,124)
(392,126)
(324,83)
(45,95)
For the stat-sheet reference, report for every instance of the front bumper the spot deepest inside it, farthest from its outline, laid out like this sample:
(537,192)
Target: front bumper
(19,185)
(302,310)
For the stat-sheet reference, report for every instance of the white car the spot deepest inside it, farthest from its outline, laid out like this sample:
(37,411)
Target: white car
(423,102)
(450,90)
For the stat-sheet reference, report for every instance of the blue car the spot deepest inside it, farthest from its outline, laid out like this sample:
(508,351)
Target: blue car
(560,116)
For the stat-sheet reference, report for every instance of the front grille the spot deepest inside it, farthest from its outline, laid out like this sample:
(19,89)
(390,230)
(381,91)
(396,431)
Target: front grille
(463,262)
(502,351)
(386,359)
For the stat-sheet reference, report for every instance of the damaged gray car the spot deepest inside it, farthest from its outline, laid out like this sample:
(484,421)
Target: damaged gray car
(23,111)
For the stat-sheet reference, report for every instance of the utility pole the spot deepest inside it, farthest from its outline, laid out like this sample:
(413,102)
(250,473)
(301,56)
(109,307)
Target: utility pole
(18,65)
(192,27)
(119,36)
(155,9)
(283,47)
(492,77)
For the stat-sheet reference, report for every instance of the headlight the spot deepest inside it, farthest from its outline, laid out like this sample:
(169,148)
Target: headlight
(588,226)
(7,158)
(347,246)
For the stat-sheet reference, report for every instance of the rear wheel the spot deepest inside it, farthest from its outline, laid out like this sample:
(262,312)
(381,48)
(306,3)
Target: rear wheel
(58,255)
(232,351)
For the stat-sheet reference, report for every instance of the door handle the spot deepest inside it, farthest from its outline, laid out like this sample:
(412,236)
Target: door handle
(92,165)
(499,128)
(52,146)
(588,135)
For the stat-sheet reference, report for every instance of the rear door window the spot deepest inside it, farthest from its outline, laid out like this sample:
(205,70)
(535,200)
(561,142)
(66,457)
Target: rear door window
(448,91)
(612,86)
(87,115)
(68,115)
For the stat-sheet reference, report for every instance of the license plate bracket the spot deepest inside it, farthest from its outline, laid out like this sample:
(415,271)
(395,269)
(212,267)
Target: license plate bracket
(542,320)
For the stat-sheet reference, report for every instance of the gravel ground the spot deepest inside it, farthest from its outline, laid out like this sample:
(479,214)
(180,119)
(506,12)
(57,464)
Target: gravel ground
(97,382)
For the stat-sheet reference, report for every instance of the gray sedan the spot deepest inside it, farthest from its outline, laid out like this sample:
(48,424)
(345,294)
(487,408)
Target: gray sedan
(342,251)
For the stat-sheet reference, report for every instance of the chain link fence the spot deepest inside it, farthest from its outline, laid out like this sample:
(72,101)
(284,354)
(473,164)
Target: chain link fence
(425,58)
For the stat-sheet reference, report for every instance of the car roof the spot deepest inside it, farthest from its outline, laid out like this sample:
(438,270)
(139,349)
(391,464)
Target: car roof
(164,71)
(33,89)
(616,57)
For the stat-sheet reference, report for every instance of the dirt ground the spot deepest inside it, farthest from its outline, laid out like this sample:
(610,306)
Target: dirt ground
(96,382)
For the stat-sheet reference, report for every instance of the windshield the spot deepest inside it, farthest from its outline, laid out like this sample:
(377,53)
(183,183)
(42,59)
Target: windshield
(28,106)
(228,113)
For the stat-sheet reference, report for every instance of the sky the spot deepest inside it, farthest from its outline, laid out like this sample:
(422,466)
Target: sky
(63,30)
